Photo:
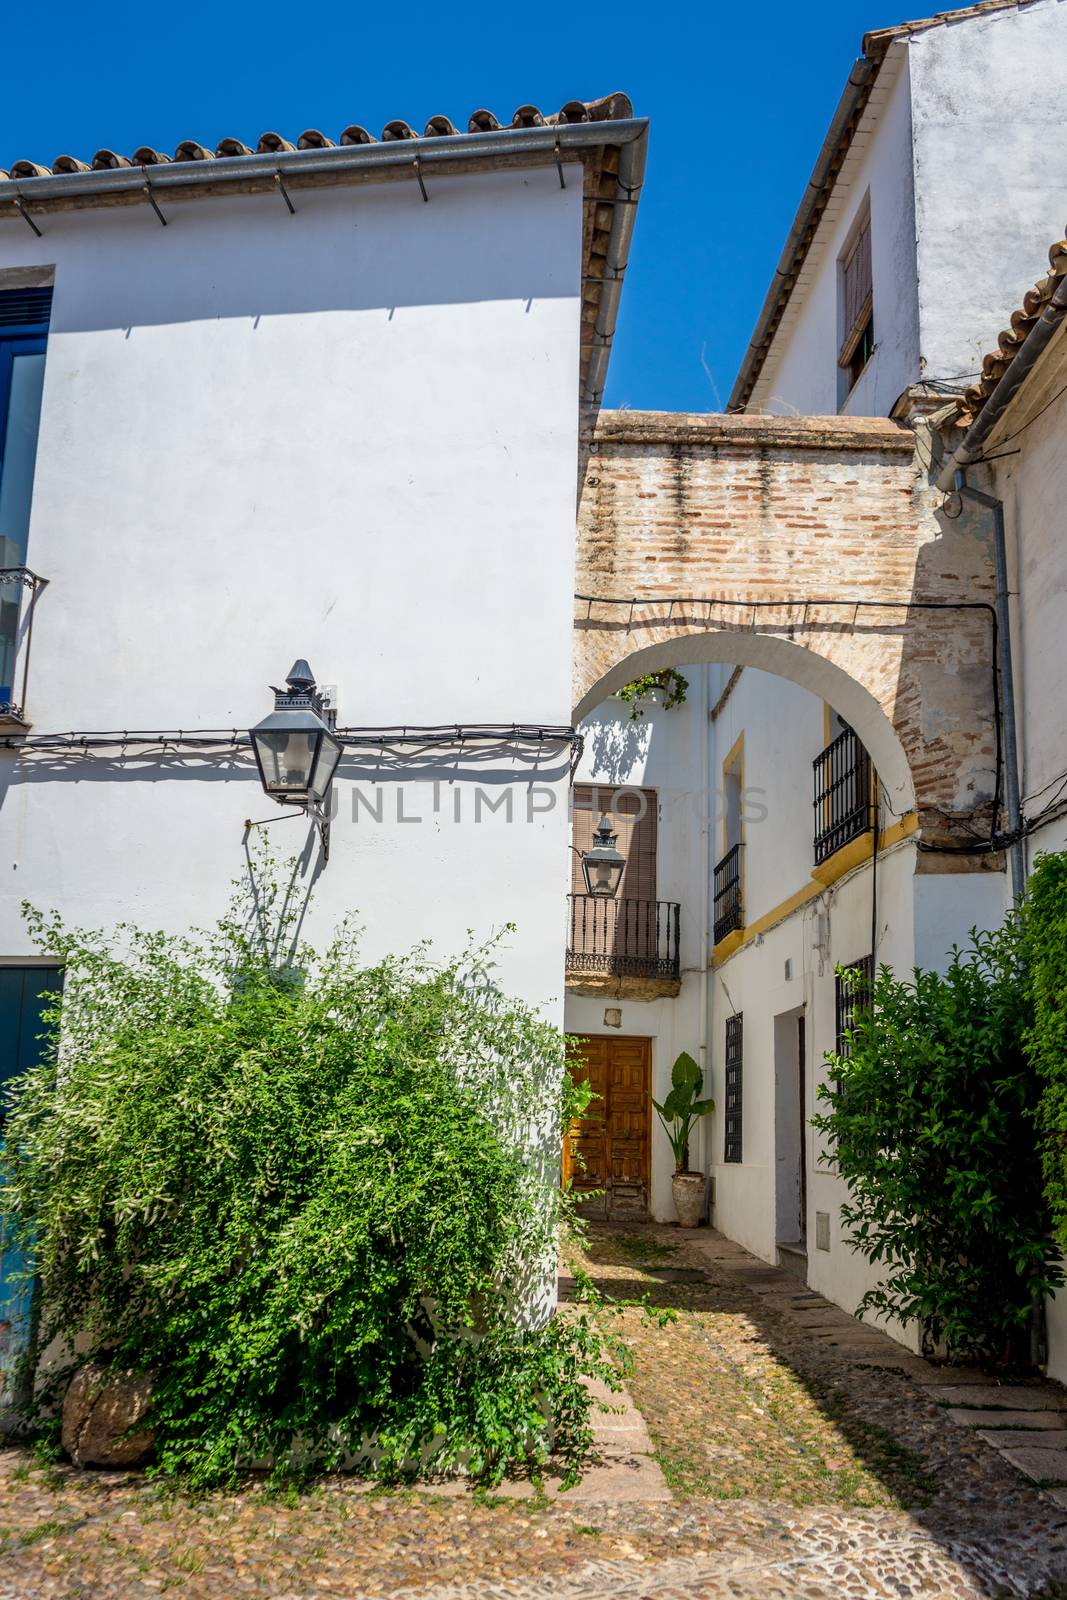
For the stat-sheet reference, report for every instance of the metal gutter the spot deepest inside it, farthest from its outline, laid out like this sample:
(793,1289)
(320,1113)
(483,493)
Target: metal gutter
(631,176)
(969,451)
(820,186)
(396,157)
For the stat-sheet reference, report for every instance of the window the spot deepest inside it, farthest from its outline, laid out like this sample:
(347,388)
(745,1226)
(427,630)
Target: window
(24,315)
(728,888)
(857,305)
(850,1000)
(734,1064)
(633,814)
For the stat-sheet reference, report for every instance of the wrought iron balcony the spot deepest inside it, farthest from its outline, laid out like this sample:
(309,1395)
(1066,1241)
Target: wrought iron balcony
(624,938)
(844,796)
(16,634)
(728,908)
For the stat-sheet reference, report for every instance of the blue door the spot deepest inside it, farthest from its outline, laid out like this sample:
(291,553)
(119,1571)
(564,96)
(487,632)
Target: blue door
(24,993)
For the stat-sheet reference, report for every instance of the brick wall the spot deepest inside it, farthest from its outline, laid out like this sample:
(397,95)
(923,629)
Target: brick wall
(795,511)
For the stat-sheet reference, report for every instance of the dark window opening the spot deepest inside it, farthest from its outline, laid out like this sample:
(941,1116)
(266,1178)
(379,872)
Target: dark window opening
(734,1087)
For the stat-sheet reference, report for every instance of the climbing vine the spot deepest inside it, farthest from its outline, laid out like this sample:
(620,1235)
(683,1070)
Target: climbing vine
(667,688)
(316,1200)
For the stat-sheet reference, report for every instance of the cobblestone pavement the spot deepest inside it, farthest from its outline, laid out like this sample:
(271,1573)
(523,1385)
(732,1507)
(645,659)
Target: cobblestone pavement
(804,1455)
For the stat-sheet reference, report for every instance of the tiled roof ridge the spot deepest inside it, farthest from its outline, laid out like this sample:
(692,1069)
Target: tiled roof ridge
(878,40)
(995,363)
(610,108)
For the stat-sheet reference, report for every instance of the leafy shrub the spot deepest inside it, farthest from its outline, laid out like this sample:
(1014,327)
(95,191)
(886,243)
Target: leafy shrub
(1045,927)
(316,1200)
(931,1126)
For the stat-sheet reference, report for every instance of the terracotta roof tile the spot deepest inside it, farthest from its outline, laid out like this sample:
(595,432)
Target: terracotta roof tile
(612,107)
(996,362)
(601,196)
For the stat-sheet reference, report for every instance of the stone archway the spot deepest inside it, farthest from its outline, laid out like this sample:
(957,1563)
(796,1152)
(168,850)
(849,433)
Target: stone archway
(810,547)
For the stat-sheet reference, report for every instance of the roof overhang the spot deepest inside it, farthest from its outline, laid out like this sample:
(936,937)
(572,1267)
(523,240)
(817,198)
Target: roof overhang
(611,151)
(830,168)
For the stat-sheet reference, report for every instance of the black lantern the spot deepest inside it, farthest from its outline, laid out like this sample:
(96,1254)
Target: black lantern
(296,750)
(602,865)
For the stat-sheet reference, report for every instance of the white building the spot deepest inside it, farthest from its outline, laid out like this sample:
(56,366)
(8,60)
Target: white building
(1014,450)
(931,200)
(314,401)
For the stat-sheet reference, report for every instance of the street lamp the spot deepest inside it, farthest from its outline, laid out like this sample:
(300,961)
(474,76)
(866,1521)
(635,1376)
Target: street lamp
(603,864)
(296,751)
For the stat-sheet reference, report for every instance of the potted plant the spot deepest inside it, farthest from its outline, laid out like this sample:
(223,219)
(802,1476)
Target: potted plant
(682,1107)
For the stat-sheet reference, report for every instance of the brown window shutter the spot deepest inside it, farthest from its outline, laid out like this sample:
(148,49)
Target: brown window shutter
(637,835)
(858,295)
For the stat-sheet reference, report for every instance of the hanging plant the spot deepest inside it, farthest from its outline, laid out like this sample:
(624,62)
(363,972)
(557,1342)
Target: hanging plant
(667,688)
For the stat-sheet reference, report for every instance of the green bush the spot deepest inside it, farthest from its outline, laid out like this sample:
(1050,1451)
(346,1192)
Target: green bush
(930,1121)
(316,1200)
(1045,926)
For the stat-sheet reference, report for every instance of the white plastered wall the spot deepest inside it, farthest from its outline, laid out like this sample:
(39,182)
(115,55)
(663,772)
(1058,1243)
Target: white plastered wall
(349,435)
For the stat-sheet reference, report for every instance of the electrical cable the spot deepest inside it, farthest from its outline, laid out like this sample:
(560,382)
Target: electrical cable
(670,601)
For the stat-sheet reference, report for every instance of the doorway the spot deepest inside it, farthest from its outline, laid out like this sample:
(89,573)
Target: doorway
(790,1132)
(610,1147)
(24,993)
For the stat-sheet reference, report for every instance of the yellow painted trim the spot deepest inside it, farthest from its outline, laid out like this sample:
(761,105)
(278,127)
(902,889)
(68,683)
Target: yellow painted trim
(735,758)
(726,947)
(829,872)
(850,856)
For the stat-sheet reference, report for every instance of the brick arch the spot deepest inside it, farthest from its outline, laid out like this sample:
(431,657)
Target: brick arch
(655,645)
(749,540)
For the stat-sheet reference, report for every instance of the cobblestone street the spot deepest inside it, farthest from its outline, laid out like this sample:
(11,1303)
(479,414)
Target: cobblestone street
(777,1448)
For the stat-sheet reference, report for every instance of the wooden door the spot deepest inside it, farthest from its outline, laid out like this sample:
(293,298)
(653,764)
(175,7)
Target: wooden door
(609,1148)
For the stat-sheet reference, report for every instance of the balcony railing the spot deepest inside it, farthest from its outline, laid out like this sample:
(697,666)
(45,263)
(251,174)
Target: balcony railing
(843,794)
(728,909)
(625,938)
(16,634)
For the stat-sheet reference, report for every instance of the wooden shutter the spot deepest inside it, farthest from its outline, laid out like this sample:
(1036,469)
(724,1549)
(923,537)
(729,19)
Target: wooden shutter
(633,813)
(734,1086)
(857,293)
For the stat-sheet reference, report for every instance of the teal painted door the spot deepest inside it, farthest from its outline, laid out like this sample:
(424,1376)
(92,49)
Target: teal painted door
(24,992)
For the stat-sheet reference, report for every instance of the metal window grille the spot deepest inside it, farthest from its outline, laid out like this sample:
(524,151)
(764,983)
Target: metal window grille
(850,1000)
(734,1087)
(728,907)
(844,797)
(627,937)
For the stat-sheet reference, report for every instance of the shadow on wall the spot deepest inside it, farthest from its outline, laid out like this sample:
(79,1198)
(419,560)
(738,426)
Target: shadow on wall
(349,248)
(616,742)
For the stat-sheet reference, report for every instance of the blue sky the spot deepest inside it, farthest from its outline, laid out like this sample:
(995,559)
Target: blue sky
(739,98)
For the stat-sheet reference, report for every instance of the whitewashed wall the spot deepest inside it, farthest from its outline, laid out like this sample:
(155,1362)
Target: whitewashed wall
(965,199)
(666,751)
(349,435)
(987,112)
(801,375)
(1033,486)
(919,917)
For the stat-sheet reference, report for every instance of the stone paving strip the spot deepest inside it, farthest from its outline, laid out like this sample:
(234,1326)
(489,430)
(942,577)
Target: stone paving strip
(767,1446)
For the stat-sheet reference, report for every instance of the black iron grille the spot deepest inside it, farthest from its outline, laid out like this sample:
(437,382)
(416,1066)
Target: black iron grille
(728,902)
(843,794)
(734,1070)
(851,998)
(635,938)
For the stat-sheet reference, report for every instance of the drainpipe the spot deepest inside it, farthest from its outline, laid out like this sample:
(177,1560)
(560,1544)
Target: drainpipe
(703,991)
(1011,749)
